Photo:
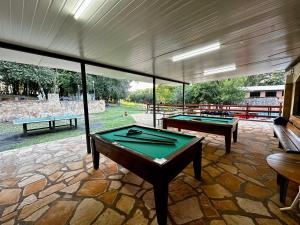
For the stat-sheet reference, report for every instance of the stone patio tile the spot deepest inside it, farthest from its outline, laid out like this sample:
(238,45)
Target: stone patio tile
(263,221)
(229,168)
(108,197)
(257,191)
(9,209)
(96,174)
(137,219)
(110,168)
(129,189)
(133,179)
(217,222)
(9,196)
(30,180)
(50,169)
(110,217)
(212,171)
(8,182)
(225,205)
(75,165)
(35,216)
(58,214)
(185,211)
(252,206)
(79,177)
(115,184)
(281,215)
(238,220)
(34,187)
(148,199)
(28,200)
(92,188)
(86,212)
(179,190)
(230,181)
(55,176)
(216,191)
(51,189)
(208,209)
(29,209)
(71,188)
(125,204)
(8,216)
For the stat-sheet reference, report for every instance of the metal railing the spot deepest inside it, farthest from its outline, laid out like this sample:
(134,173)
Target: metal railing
(244,110)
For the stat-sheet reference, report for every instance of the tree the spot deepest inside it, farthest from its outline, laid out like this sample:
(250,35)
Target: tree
(111,90)
(265,79)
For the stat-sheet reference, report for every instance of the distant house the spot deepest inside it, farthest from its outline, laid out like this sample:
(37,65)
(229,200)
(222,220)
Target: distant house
(265,91)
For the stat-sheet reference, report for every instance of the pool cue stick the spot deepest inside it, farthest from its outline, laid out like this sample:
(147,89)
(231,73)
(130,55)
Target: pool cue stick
(155,135)
(140,138)
(145,142)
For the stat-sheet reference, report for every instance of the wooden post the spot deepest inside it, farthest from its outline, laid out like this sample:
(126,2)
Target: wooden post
(247,111)
(183,98)
(154,103)
(85,108)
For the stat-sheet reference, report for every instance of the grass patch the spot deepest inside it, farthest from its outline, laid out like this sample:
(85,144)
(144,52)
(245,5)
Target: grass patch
(113,116)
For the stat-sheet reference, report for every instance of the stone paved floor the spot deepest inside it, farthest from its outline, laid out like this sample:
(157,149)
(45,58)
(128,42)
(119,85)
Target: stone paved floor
(54,184)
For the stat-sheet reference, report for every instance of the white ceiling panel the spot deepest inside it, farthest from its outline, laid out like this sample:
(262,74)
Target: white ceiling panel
(258,36)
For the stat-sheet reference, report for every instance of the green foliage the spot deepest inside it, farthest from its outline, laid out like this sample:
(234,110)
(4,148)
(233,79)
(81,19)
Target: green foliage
(111,90)
(68,82)
(226,92)
(141,96)
(265,79)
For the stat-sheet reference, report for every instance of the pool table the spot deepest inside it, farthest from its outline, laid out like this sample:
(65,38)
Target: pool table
(226,126)
(154,162)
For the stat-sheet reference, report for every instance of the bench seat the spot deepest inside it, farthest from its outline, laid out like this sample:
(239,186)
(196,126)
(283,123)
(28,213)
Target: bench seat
(289,137)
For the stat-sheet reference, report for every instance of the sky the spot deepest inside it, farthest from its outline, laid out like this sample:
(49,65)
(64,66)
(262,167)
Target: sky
(137,85)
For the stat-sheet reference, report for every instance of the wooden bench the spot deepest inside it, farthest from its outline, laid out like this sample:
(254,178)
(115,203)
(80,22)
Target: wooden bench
(288,133)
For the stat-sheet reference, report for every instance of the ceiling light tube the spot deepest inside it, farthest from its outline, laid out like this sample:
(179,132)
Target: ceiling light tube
(222,69)
(84,4)
(195,52)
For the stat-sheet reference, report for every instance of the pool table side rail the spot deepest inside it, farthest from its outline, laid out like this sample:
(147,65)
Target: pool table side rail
(171,119)
(145,127)
(134,161)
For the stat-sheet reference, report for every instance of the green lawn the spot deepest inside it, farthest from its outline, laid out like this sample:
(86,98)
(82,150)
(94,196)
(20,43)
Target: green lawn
(10,135)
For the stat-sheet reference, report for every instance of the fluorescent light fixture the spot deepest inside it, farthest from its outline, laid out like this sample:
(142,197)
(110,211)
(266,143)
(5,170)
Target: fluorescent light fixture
(81,7)
(198,51)
(222,69)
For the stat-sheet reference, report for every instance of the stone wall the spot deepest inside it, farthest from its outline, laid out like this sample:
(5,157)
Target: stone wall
(262,101)
(11,110)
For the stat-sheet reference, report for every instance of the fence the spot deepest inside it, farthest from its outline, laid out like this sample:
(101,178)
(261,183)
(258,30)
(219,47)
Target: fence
(244,111)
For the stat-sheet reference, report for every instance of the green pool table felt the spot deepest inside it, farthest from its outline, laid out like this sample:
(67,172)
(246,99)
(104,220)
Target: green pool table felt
(204,119)
(154,151)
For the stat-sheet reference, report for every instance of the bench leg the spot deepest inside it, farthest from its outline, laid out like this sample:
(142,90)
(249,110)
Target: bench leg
(280,145)
(71,123)
(25,129)
(75,123)
(53,125)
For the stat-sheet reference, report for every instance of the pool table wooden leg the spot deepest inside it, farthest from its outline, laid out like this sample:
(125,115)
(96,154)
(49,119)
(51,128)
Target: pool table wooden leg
(197,162)
(235,134)
(228,141)
(161,202)
(96,156)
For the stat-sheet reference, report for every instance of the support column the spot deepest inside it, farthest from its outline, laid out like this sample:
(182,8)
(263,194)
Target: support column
(183,98)
(85,107)
(154,103)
